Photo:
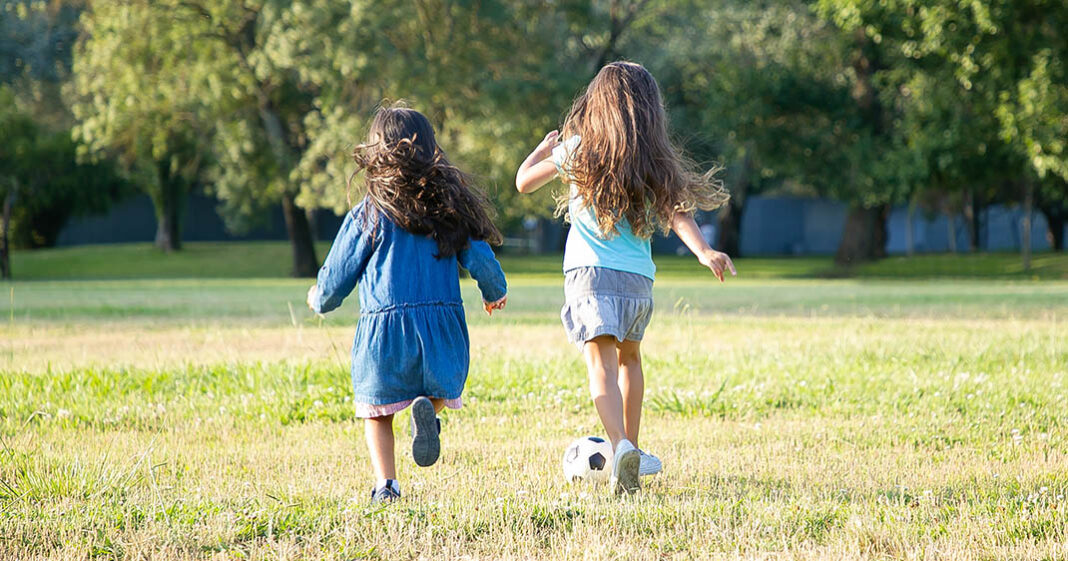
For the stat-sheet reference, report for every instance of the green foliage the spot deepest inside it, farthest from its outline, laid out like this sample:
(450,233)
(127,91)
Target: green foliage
(137,104)
(40,171)
(493,80)
(1003,58)
(36,39)
(867,102)
(762,83)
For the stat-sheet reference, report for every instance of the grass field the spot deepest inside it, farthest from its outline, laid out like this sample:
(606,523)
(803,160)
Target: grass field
(273,259)
(797,417)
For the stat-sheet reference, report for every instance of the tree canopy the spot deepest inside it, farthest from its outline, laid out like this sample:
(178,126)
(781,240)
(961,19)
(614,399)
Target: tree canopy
(942,104)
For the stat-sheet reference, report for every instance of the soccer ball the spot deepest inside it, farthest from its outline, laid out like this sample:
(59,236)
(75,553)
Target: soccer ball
(588,459)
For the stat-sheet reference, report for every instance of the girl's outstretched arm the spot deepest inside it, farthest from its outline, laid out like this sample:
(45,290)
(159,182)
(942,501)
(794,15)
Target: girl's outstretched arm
(479,260)
(686,228)
(538,169)
(343,265)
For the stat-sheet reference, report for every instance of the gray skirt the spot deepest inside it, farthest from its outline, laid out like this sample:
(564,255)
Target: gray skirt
(600,301)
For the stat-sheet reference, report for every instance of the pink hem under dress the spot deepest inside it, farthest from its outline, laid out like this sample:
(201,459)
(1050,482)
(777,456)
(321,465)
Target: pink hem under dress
(367,410)
(411,339)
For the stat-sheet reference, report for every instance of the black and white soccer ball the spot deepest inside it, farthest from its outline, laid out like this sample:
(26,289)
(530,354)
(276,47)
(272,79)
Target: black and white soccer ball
(588,459)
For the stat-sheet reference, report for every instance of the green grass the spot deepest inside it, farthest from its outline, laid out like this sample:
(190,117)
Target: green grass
(798,418)
(532,300)
(129,261)
(273,260)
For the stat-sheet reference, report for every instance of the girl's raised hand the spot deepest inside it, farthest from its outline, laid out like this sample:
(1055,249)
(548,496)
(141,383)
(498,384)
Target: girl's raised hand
(545,147)
(718,262)
(538,169)
(498,305)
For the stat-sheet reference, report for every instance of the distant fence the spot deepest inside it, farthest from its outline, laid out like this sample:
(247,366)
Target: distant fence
(798,226)
(770,226)
(134,220)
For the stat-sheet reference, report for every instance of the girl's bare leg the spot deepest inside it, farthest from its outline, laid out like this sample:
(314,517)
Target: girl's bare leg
(379,434)
(632,387)
(602,365)
(439,404)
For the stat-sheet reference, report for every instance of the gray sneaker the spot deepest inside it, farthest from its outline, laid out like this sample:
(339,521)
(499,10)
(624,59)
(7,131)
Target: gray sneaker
(426,446)
(651,465)
(625,467)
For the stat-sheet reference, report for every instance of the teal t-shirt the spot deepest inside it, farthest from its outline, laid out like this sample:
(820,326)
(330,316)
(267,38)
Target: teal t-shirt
(586,245)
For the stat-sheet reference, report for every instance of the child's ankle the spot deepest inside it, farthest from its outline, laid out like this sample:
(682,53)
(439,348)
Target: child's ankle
(391,483)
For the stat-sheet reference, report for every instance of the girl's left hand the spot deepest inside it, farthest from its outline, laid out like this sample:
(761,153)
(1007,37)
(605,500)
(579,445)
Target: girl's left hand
(498,305)
(545,147)
(718,262)
(313,295)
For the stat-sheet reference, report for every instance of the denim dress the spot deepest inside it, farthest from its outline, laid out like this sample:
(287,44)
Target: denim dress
(411,339)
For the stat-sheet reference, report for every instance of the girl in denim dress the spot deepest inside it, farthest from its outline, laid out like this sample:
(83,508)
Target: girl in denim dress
(626,181)
(401,245)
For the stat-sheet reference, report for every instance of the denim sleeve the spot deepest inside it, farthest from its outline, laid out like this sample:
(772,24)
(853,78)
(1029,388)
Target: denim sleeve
(343,266)
(479,260)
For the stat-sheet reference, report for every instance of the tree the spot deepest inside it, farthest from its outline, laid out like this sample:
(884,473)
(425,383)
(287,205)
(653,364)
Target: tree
(264,75)
(220,85)
(41,182)
(137,103)
(1009,55)
(756,85)
(487,78)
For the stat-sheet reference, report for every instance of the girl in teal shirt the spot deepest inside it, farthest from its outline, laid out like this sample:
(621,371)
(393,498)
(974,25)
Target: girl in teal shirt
(626,181)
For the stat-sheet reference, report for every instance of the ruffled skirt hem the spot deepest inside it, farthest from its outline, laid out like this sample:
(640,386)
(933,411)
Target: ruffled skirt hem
(370,411)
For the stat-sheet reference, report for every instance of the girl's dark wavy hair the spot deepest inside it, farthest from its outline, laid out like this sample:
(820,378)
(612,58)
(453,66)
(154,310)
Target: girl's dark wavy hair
(410,181)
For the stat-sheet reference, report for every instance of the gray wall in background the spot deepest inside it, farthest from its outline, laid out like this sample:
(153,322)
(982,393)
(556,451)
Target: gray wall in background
(134,220)
(770,226)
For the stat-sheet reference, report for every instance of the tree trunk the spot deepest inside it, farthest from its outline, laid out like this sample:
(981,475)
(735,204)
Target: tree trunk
(951,232)
(971,221)
(864,236)
(730,216)
(910,243)
(1056,222)
(168,233)
(1056,216)
(1025,238)
(730,229)
(305,263)
(5,234)
(168,202)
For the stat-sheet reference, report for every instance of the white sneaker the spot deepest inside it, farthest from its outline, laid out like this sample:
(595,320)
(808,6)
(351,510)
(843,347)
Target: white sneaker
(651,465)
(625,466)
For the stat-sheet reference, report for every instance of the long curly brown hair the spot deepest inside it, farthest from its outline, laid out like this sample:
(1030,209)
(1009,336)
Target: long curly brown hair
(625,165)
(410,181)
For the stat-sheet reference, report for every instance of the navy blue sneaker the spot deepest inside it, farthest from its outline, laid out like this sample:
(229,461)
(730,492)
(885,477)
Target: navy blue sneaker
(426,446)
(386,493)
